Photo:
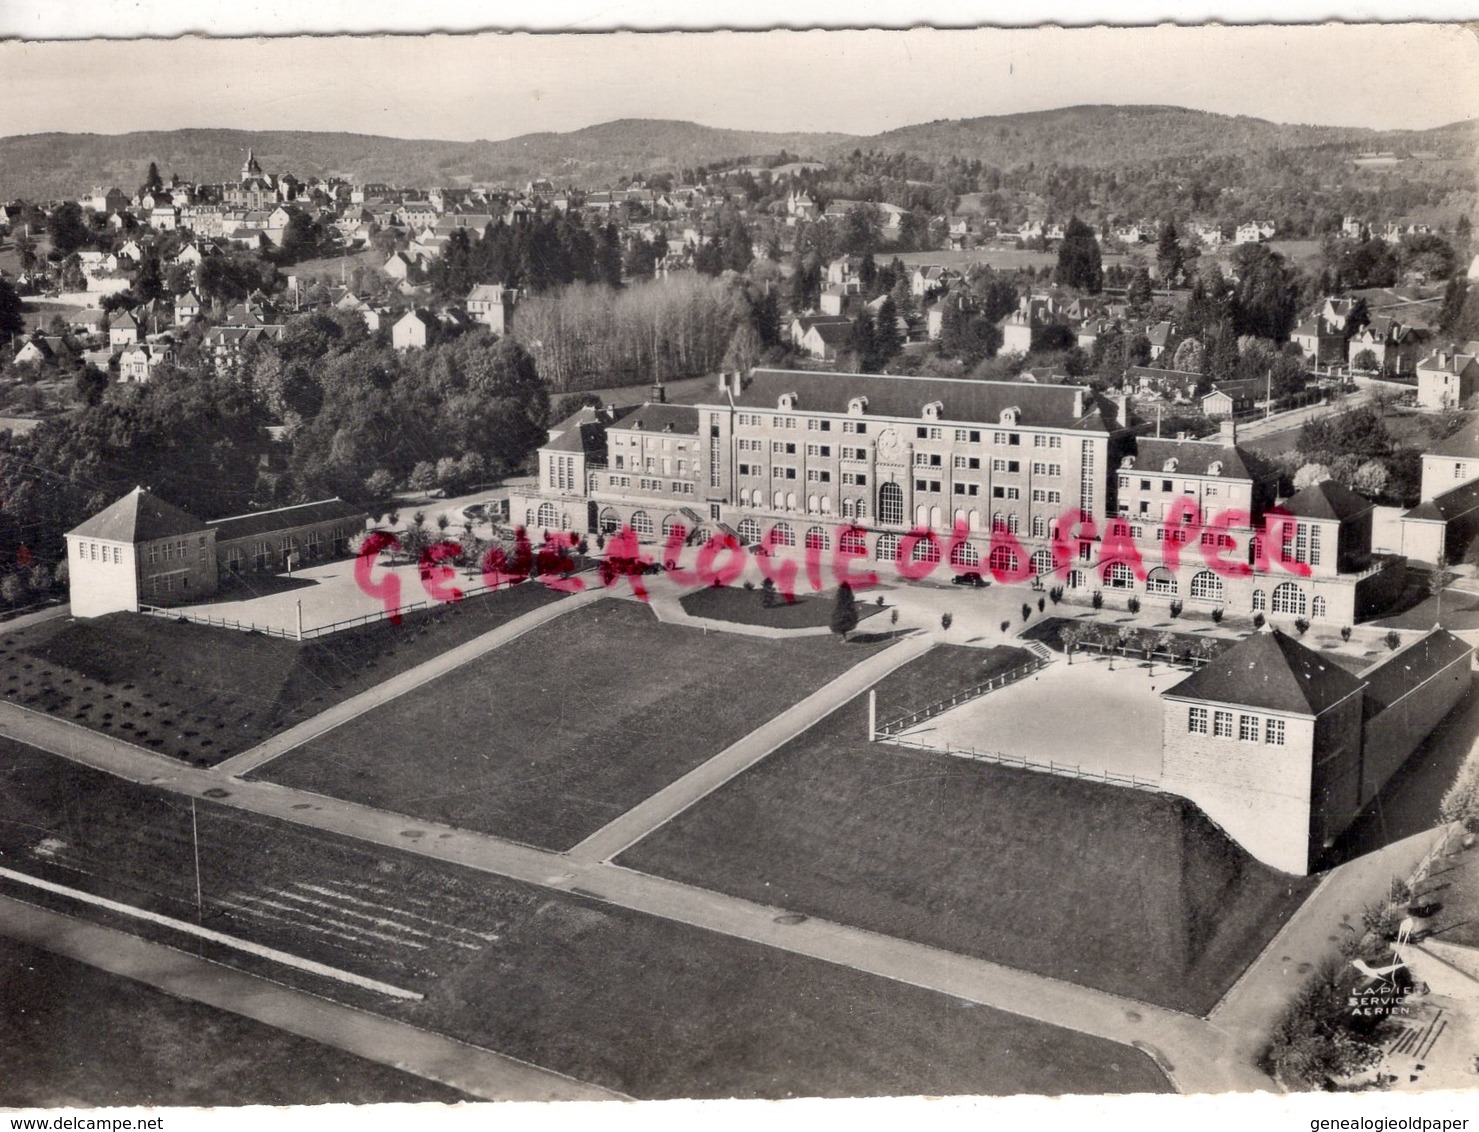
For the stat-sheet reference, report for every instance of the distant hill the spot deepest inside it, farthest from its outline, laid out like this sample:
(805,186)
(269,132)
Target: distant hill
(42,166)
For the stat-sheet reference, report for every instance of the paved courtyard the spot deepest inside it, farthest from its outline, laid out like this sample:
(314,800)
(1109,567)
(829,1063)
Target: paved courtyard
(1082,714)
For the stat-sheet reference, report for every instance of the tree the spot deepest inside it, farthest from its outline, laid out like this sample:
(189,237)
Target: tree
(1168,255)
(1139,291)
(67,229)
(1190,356)
(1079,261)
(1266,295)
(152,182)
(1365,360)
(1070,635)
(1371,479)
(886,339)
(1393,640)
(946,620)
(12,321)
(844,612)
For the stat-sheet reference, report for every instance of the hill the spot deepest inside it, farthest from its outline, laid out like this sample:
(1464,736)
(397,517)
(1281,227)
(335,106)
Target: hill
(45,166)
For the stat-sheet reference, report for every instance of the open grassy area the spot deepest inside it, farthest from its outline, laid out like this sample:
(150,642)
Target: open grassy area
(940,673)
(566,729)
(74,1036)
(202,694)
(735,603)
(643,1005)
(1128,891)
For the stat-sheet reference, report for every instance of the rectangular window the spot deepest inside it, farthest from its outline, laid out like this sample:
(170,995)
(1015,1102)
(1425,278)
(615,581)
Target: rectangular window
(1167,485)
(998,438)
(1248,728)
(958,462)
(960,434)
(1273,732)
(921,433)
(1196,721)
(998,465)
(744,470)
(936,434)
(1014,493)
(921,485)
(1144,485)
(1222,724)
(1055,496)
(998,492)
(1014,465)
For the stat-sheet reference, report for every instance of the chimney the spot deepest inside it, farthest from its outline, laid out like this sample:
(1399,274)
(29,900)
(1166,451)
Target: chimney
(659,393)
(1078,402)
(1228,431)
(1122,410)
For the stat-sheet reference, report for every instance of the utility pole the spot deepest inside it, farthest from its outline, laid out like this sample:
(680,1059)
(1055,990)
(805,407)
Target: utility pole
(195,842)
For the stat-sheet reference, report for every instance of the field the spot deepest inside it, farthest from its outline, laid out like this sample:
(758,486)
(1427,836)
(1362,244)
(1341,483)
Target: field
(731,603)
(646,1006)
(1124,890)
(204,693)
(549,739)
(74,1036)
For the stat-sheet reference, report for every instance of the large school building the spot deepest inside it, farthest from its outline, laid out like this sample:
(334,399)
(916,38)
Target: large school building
(807,459)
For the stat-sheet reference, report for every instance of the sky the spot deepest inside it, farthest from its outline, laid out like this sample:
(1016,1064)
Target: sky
(462,87)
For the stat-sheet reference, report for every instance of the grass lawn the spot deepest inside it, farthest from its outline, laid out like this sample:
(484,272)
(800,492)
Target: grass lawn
(939,674)
(1458,611)
(1128,891)
(202,694)
(734,603)
(572,725)
(643,1005)
(74,1036)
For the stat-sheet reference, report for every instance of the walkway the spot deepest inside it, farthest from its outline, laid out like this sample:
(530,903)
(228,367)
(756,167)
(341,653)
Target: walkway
(479,1072)
(1205,1058)
(738,757)
(400,684)
(51,613)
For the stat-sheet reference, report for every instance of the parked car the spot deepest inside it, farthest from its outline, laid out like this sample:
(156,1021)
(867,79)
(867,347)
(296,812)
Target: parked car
(968,579)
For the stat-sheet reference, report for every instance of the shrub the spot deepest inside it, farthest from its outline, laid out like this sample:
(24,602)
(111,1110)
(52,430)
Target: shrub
(1042,603)
(1393,640)
(1097,600)
(1301,625)
(1258,621)
(946,620)
(749,585)
(879,602)
(1217,616)
(1345,632)
(1176,607)
(1026,611)
(1133,605)
(767,593)
(1056,593)
(893,618)
(1006,626)
(600,542)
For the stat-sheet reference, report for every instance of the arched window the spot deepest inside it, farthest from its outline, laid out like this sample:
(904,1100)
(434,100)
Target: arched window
(642,524)
(813,504)
(1039,526)
(853,541)
(528,517)
(1004,560)
(744,497)
(1119,576)
(549,516)
(862,508)
(1260,601)
(1042,562)
(1289,598)
(672,523)
(975,520)
(886,549)
(1012,522)
(1206,586)
(782,535)
(1317,607)
(937,518)
(1161,581)
(779,502)
(998,521)
(921,515)
(958,519)
(749,531)
(816,539)
(890,504)
(926,550)
(790,501)
(610,522)
(698,537)
(847,508)
(826,505)
(964,554)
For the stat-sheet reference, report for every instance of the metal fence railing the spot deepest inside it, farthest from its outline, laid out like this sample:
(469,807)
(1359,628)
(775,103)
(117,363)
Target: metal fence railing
(1068,770)
(903,723)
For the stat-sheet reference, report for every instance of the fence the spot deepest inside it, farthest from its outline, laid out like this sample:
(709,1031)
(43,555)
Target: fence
(894,727)
(1068,770)
(468,591)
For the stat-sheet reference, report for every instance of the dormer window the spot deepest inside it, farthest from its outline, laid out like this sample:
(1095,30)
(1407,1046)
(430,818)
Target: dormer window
(857,406)
(933,410)
(1169,465)
(1214,468)
(1009,416)
(786,401)
(1128,462)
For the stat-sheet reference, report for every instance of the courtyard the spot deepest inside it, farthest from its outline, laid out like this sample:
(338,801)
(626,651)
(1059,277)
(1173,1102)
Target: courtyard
(1087,715)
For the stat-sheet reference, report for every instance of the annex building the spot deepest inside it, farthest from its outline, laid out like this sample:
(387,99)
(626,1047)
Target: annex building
(142,550)
(1283,748)
(793,458)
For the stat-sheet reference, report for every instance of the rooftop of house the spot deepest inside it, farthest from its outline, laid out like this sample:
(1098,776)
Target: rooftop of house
(257,523)
(1193,457)
(962,400)
(1327,500)
(138,517)
(1464,444)
(651,417)
(1391,679)
(1271,671)
(1449,505)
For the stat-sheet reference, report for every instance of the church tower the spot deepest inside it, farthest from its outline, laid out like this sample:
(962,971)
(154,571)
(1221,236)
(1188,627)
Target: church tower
(251,168)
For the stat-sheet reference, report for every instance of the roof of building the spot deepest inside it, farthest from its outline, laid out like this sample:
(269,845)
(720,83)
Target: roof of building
(1406,669)
(976,402)
(1193,457)
(1448,505)
(138,517)
(1463,444)
(831,333)
(487,292)
(257,523)
(651,417)
(1327,500)
(1272,671)
(1251,387)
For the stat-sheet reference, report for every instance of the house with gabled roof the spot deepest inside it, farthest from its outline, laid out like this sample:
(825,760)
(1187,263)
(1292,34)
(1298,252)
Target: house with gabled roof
(123,330)
(1447,379)
(139,550)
